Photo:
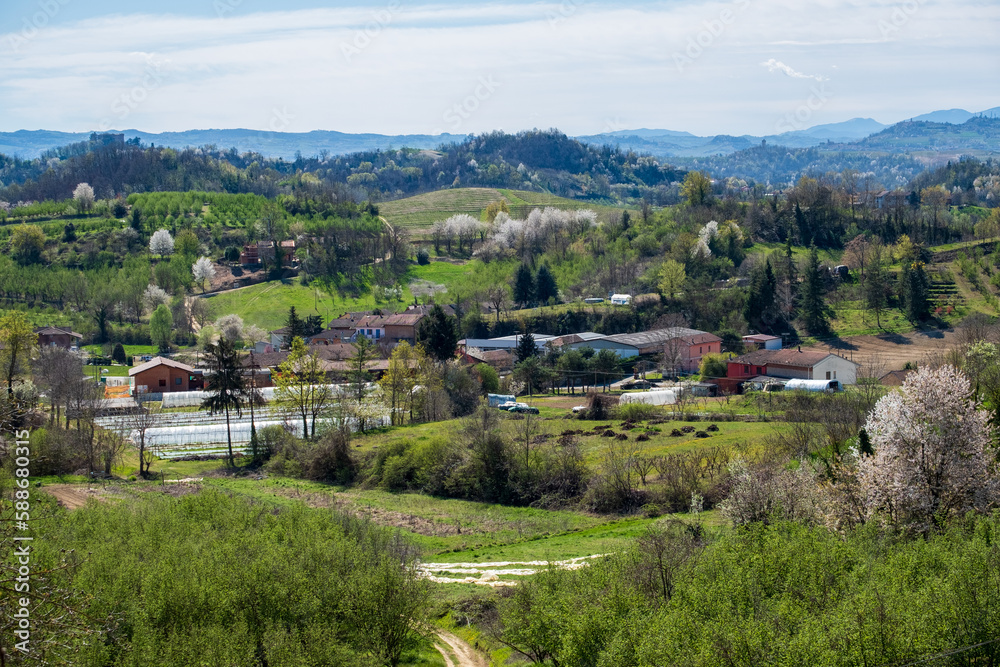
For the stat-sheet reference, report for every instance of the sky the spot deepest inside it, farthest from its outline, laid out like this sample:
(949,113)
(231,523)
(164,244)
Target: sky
(405,67)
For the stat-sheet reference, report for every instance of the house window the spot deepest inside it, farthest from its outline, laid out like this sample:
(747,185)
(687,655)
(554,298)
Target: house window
(828,375)
(177,381)
(835,375)
(378,333)
(163,383)
(699,350)
(746,369)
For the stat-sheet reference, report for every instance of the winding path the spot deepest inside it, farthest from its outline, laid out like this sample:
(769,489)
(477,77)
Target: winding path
(457,652)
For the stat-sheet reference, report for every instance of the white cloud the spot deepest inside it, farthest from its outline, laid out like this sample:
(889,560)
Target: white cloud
(773,65)
(570,65)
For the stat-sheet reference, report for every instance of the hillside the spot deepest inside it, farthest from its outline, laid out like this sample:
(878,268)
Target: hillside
(539,161)
(423,210)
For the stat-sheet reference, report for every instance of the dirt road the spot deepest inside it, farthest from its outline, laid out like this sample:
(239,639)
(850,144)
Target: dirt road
(457,652)
(70,497)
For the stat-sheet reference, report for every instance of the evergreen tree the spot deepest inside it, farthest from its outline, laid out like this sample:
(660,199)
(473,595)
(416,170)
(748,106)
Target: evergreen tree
(438,334)
(296,328)
(813,307)
(161,327)
(313,325)
(545,285)
(526,347)
(761,299)
(524,285)
(226,386)
(913,291)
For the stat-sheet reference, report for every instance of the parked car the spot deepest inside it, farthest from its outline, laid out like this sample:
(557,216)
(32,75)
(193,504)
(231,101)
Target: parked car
(507,405)
(526,409)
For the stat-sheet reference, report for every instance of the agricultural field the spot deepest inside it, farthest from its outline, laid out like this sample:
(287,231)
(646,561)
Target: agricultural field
(422,211)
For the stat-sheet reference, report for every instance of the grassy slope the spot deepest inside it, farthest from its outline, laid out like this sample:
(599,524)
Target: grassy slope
(267,304)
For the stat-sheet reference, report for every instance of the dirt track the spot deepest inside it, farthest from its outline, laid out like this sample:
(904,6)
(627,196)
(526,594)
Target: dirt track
(892,350)
(456,648)
(70,497)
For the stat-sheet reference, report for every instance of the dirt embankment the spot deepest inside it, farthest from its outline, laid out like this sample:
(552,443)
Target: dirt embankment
(71,497)
(457,652)
(891,350)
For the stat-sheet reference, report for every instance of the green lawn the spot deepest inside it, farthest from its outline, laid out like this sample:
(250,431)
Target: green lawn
(113,371)
(267,304)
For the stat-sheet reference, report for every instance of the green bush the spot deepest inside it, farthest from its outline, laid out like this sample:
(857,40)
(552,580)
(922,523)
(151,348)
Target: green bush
(637,412)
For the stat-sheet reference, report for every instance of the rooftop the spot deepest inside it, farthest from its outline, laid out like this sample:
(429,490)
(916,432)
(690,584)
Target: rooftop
(159,361)
(783,358)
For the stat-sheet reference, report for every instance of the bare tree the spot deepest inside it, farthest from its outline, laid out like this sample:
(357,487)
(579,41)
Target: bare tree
(135,425)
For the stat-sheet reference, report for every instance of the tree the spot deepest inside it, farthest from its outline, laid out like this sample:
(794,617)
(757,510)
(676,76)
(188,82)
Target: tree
(294,327)
(532,373)
(302,386)
(813,307)
(138,421)
(697,189)
(18,341)
(914,288)
(186,243)
(118,354)
(83,195)
(161,327)
(524,285)
(761,304)
(489,379)
(161,243)
(545,285)
(226,386)
(358,374)
(671,278)
(26,244)
(203,271)
(399,381)
(154,296)
(526,347)
(55,370)
(437,333)
(605,364)
(931,460)
(230,327)
(497,294)
(713,366)
(876,285)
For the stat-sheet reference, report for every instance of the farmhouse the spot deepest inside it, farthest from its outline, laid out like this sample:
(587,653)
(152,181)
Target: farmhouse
(596,342)
(682,348)
(761,342)
(163,375)
(789,364)
(57,337)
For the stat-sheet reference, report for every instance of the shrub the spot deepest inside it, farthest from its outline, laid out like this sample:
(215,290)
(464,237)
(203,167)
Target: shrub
(423,257)
(637,412)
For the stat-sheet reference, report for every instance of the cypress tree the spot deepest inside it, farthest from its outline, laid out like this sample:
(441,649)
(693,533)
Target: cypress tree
(813,307)
(545,285)
(524,285)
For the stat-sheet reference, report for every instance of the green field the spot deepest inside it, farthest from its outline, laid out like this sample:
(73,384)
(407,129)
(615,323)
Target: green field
(267,304)
(130,350)
(422,211)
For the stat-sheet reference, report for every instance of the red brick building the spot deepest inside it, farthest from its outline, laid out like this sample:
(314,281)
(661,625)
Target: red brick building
(163,375)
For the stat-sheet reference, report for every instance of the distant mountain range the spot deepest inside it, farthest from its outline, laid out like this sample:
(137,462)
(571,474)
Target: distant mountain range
(854,134)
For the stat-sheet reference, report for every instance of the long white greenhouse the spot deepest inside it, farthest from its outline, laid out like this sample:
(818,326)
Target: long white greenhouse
(192,399)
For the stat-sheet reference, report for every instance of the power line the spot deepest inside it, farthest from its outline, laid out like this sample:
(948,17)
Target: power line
(945,654)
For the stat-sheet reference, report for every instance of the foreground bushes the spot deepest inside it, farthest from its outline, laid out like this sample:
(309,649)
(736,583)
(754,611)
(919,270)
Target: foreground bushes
(209,579)
(782,594)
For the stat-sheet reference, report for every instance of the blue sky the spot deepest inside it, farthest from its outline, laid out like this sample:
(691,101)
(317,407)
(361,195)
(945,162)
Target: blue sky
(397,66)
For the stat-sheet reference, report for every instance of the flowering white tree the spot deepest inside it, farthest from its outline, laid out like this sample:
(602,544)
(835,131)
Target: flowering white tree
(154,296)
(203,271)
(930,461)
(161,243)
(230,327)
(83,195)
